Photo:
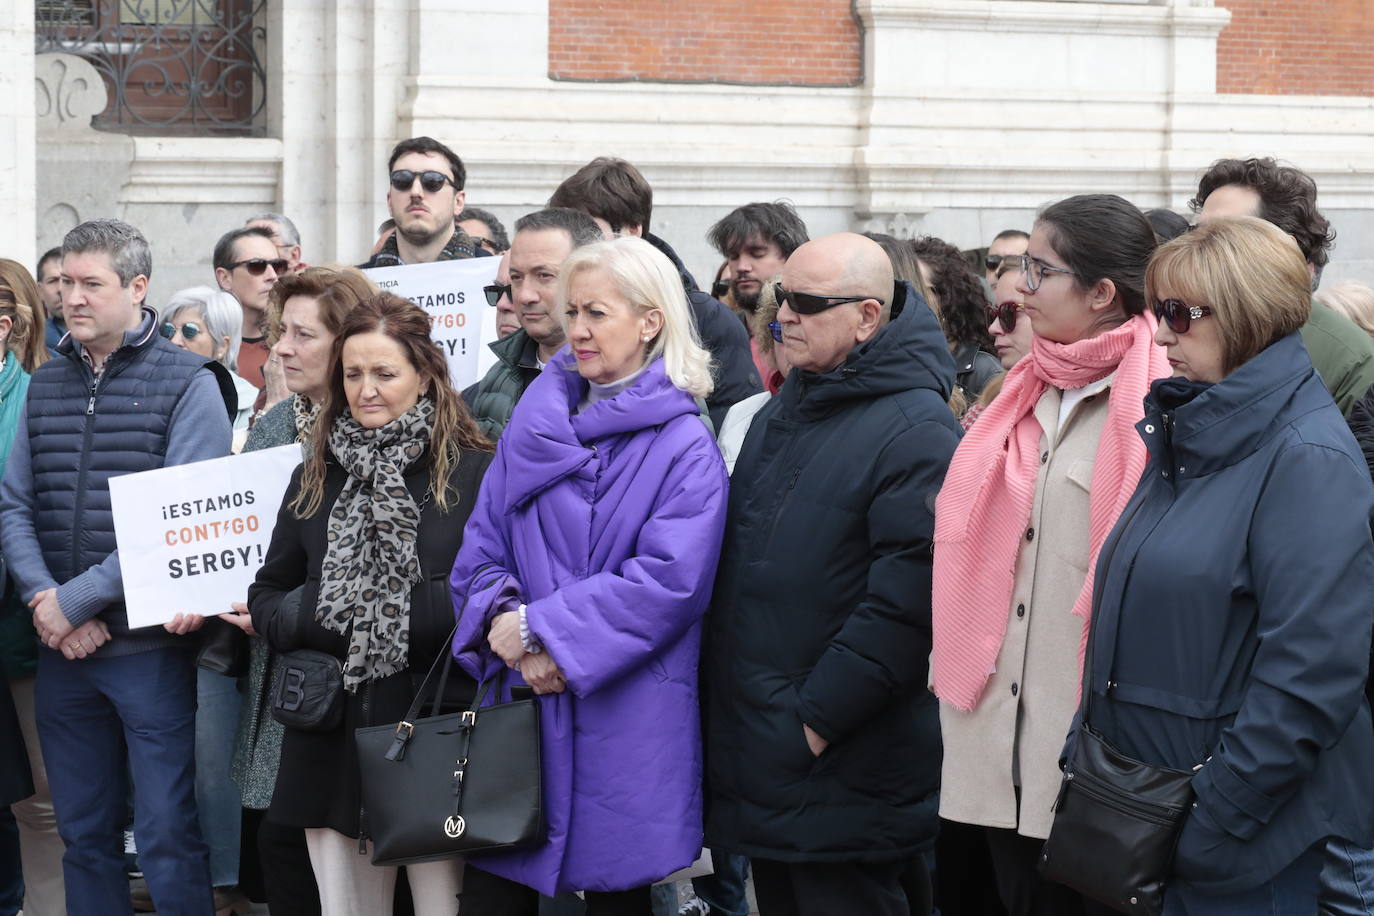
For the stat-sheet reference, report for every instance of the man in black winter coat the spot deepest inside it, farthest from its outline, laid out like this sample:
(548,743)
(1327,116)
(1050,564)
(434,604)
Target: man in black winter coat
(822,742)
(615,194)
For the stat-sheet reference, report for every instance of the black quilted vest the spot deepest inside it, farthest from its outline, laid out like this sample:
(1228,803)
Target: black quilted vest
(84,430)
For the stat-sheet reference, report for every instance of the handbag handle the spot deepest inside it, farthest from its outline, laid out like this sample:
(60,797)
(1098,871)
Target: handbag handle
(443,664)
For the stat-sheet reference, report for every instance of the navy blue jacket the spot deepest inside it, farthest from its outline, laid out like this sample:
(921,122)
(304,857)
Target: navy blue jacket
(821,610)
(1233,616)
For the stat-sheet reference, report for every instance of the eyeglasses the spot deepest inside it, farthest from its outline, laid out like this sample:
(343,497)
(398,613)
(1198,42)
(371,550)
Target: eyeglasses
(256,266)
(1035,270)
(189,330)
(431,181)
(495,292)
(775,330)
(810,304)
(1178,315)
(1005,314)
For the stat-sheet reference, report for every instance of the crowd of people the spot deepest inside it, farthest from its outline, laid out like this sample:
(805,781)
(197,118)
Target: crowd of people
(821,578)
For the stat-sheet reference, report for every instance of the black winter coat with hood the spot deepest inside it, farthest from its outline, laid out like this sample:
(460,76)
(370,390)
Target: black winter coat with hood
(821,612)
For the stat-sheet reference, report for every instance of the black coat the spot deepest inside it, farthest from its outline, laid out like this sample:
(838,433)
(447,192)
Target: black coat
(822,610)
(16,783)
(1233,613)
(318,783)
(722,334)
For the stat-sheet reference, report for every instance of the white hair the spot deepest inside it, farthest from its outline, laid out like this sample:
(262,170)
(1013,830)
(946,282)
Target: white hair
(648,280)
(223,317)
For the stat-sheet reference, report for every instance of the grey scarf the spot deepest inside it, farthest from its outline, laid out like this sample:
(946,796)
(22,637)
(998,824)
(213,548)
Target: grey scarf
(370,561)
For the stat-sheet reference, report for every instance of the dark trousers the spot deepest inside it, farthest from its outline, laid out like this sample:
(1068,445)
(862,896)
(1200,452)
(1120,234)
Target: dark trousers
(964,885)
(485,894)
(830,889)
(1023,891)
(275,867)
(93,714)
(723,890)
(11,875)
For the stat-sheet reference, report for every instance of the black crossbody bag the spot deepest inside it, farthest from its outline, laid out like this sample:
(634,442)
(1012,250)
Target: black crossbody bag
(1117,820)
(445,785)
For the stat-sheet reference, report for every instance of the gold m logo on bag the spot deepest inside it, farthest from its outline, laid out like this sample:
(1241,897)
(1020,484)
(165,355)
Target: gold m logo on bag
(454,826)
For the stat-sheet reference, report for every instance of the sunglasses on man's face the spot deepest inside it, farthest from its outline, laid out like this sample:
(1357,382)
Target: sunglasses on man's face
(775,330)
(431,181)
(1178,315)
(1005,314)
(189,330)
(495,292)
(809,303)
(257,266)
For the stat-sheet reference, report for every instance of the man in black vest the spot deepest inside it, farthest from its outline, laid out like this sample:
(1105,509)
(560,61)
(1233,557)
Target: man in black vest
(117,399)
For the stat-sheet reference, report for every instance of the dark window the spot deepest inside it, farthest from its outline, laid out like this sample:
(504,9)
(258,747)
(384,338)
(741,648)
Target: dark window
(171,66)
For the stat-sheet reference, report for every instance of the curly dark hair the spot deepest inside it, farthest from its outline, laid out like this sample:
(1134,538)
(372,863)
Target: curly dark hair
(963,304)
(1288,199)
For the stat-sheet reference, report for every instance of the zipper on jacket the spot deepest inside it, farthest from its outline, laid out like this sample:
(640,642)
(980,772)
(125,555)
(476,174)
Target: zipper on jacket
(83,467)
(782,505)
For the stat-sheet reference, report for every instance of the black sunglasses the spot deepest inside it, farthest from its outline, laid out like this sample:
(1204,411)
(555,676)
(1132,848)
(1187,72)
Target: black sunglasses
(719,289)
(495,292)
(431,181)
(1178,315)
(1005,314)
(190,330)
(810,304)
(256,266)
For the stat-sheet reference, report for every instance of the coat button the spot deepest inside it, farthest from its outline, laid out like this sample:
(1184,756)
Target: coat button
(1044,456)
(1020,610)
(1149,427)
(1015,690)
(1030,534)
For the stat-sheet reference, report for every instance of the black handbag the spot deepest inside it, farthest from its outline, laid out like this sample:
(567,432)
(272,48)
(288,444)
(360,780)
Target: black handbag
(445,785)
(307,691)
(1117,820)
(224,649)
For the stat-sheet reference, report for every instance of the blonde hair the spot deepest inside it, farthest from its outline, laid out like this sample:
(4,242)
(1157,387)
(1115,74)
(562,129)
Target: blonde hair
(648,281)
(20,300)
(1353,300)
(1248,271)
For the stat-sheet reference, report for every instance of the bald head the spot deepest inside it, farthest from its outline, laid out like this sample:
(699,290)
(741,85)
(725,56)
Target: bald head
(843,264)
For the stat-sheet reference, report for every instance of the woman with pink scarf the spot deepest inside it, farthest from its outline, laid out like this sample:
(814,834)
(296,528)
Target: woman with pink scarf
(1033,490)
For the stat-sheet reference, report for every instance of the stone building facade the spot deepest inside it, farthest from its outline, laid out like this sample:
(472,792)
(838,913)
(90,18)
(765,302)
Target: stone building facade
(956,118)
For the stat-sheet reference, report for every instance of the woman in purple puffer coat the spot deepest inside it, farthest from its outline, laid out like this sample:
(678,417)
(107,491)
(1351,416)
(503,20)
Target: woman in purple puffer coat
(586,566)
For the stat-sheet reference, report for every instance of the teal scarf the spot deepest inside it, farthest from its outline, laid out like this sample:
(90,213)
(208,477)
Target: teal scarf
(14,387)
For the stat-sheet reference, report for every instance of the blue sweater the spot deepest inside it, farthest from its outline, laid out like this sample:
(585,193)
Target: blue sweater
(198,430)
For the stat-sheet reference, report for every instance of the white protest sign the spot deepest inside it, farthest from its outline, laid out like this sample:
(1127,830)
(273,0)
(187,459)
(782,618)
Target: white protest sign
(191,537)
(461,322)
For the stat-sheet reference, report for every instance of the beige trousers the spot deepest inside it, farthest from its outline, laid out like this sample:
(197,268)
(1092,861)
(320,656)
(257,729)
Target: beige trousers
(350,885)
(40,848)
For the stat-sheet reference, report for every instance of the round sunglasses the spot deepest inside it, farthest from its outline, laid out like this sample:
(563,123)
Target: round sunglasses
(1005,314)
(431,181)
(1177,314)
(189,330)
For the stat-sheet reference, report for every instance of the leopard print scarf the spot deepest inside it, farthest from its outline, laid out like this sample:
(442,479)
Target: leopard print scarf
(370,563)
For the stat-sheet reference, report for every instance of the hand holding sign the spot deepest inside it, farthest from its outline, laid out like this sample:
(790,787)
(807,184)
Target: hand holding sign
(191,535)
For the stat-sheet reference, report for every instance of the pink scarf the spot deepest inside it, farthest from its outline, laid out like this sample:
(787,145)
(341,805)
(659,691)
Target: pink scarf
(985,504)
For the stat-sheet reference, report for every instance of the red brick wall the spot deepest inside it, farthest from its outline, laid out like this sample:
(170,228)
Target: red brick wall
(800,42)
(1297,47)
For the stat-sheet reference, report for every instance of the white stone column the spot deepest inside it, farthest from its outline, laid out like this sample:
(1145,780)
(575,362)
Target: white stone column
(17,140)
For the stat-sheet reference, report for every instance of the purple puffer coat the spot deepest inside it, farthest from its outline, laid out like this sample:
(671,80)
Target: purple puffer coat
(608,525)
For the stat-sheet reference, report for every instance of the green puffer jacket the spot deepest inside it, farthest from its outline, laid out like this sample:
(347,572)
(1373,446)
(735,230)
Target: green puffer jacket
(501,388)
(1342,353)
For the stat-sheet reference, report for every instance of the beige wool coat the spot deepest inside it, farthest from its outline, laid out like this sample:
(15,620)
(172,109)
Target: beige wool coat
(1016,732)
